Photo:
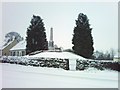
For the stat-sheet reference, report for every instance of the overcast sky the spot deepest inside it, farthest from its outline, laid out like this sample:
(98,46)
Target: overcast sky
(103,18)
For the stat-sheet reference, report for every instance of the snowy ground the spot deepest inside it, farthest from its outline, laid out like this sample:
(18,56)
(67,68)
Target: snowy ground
(57,55)
(18,76)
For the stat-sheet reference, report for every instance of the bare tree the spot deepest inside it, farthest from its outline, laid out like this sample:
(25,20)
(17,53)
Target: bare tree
(112,53)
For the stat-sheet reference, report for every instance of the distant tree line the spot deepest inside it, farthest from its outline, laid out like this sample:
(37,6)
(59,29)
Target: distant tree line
(100,55)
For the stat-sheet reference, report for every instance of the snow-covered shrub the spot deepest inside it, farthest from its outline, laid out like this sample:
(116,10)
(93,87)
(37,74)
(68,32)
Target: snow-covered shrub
(5,59)
(100,65)
(15,60)
(50,62)
(81,64)
(112,65)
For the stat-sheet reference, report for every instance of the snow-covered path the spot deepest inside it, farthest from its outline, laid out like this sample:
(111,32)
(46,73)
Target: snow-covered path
(18,76)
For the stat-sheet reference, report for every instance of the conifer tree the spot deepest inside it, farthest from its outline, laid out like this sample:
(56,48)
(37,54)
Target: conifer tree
(36,36)
(82,38)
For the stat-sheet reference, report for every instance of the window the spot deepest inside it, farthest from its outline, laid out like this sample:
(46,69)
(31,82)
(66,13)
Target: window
(20,53)
(13,53)
(23,53)
(17,53)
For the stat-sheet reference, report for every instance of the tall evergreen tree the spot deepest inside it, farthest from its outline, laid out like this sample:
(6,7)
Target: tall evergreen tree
(82,38)
(36,36)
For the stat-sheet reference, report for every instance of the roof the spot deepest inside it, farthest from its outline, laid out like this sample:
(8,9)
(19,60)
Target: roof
(20,45)
(3,44)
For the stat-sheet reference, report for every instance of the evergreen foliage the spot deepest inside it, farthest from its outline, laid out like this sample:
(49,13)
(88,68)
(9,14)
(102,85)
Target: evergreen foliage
(36,36)
(82,38)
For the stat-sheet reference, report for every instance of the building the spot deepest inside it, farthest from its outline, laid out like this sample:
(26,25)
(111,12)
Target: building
(19,49)
(116,58)
(6,49)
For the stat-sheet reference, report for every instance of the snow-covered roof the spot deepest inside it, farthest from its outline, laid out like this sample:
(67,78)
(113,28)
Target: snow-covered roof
(57,55)
(20,45)
(3,44)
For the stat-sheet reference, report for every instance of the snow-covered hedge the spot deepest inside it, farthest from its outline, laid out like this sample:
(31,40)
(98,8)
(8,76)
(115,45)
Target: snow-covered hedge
(101,65)
(61,63)
(42,62)
(50,62)
(15,60)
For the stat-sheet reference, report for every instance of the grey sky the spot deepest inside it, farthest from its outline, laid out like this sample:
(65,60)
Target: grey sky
(103,18)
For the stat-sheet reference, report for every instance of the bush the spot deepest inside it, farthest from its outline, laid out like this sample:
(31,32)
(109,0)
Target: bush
(100,65)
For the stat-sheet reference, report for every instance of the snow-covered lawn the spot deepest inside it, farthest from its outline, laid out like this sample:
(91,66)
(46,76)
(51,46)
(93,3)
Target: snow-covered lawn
(56,55)
(18,76)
